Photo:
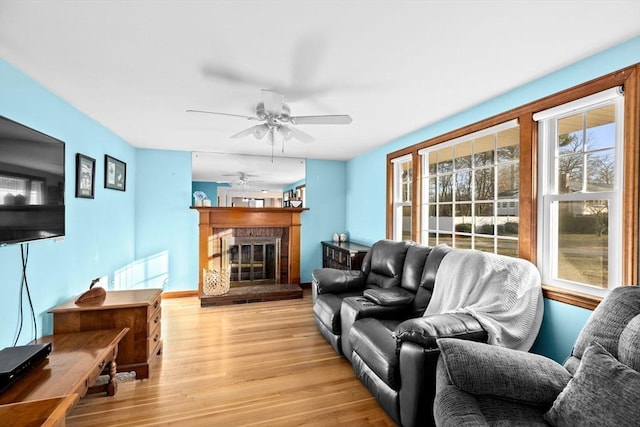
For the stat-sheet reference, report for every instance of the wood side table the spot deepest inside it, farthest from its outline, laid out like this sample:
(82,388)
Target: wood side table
(75,362)
(139,310)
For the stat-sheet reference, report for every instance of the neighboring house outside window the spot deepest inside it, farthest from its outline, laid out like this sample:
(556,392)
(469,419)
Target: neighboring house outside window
(580,181)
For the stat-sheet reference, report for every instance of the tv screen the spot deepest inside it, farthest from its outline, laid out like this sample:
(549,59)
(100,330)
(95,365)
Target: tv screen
(31,184)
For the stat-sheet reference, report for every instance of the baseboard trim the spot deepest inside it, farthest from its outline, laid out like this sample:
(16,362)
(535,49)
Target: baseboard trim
(179,294)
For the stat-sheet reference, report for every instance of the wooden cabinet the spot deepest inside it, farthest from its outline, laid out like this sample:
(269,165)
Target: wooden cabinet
(139,310)
(343,255)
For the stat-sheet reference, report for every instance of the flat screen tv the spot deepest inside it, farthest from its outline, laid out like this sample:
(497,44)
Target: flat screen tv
(31,184)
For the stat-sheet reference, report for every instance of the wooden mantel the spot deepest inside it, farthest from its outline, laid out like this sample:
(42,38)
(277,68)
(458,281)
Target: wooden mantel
(227,217)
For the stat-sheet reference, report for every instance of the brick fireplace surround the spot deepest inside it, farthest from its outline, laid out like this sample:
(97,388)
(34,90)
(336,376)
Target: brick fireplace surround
(219,223)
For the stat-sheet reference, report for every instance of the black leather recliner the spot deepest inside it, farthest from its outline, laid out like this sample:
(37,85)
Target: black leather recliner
(381,268)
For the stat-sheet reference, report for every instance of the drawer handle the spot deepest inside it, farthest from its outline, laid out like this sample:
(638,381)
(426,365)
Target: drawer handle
(156,319)
(155,304)
(155,339)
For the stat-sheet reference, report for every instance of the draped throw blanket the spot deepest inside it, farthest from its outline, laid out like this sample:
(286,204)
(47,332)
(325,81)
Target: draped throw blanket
(502,293)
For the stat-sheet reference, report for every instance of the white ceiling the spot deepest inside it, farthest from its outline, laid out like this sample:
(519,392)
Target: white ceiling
(395,66)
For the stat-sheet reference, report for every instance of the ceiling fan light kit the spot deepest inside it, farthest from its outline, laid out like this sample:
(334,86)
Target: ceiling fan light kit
(278,121)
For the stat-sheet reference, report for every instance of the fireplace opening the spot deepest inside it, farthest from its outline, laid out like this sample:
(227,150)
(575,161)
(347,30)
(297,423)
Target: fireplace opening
(252,260)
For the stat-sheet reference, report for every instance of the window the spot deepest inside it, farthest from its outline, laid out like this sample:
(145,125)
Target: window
(580,214)
(470,190)
(402,195)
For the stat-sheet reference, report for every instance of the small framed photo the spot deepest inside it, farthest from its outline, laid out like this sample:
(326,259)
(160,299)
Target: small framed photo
(115,173)
(85,176)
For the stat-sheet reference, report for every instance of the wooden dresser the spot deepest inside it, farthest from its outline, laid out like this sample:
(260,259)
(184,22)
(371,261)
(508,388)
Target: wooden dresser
(343,255)
(139,310)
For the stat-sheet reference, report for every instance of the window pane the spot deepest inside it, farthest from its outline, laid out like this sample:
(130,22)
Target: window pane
(445,188)
(509,145)
(570,138)
(431,185)
(483,155)
(583,242)
(433,163)
(484,184)
(570,174)
(484,219)
(508,181)
(463,155)
(601,127)
(600,170)
(445,162)
(463,214)
(406,180)
(406,223)
(445,221)
(508,247)
(463,186)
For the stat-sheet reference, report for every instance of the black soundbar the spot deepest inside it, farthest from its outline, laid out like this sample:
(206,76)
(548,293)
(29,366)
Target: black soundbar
(17,361)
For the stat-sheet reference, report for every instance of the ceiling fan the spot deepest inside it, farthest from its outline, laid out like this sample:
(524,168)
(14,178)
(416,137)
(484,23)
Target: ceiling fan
(278,121)
(243,179)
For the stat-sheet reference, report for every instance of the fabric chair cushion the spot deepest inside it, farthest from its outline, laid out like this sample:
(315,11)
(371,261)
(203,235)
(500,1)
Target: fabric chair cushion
(389,297)
(604,391)
(629,344)
(373,341)
(483,369)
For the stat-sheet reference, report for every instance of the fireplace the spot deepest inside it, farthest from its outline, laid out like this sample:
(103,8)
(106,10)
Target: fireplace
(251,260)
(231,241)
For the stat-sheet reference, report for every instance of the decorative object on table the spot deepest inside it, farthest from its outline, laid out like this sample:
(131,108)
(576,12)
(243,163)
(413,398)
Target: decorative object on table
(85,176)
(336,237)
(115,173)
(199,197)
(295,203)
(94,296)
(214,283)
(343,237)
(206,203)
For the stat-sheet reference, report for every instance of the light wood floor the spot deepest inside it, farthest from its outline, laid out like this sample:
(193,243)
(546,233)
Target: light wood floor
(260,364)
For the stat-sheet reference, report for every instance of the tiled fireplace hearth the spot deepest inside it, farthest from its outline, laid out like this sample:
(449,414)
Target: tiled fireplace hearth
(259,249)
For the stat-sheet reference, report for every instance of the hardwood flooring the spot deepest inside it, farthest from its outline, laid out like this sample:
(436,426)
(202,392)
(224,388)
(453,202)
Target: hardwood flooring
(260,364)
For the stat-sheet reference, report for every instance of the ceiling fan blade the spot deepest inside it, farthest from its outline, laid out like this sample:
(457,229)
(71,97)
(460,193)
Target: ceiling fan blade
(223,114)
(341,119)
(249,131)
(272,102)
(299,135)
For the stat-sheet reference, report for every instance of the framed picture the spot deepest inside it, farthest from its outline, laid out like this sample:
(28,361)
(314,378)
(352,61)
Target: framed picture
(115,173)
(85,176)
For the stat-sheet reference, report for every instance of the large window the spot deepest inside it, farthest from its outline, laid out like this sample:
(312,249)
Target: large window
(555,181)
(581,169)
(470,191)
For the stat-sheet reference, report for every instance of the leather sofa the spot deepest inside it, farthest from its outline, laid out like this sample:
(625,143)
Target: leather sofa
(481,385)
(382,318)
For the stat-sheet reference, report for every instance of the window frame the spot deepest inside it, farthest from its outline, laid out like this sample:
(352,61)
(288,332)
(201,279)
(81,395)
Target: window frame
(399,202)
(528,200)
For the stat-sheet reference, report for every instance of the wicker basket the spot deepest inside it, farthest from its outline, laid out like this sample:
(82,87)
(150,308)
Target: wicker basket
(214,283)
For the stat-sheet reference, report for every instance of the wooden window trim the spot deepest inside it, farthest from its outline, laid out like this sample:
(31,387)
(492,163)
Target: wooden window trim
(629,78)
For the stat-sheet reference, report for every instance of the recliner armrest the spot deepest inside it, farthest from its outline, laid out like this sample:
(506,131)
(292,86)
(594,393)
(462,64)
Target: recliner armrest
(424,331)
(391,297)
(334,281)
(488,370)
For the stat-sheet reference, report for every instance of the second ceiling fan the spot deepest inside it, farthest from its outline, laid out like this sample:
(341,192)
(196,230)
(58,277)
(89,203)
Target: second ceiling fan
(278,121)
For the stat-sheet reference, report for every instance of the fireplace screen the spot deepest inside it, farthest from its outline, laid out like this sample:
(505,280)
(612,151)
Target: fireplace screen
(252,260)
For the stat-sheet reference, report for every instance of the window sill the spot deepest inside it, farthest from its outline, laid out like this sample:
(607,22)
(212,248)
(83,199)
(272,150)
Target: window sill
(571,297)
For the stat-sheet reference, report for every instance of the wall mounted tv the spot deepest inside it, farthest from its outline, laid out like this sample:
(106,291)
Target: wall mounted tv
(31,184)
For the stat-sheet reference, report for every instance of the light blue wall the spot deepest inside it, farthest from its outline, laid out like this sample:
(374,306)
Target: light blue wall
(366,174)
(208,188)
(99,232)
(166,230)
(325,195)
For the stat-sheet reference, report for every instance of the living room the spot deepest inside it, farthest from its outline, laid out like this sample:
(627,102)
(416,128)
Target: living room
(149,226)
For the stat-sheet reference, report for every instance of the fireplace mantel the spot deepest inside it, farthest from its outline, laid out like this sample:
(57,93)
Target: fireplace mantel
(227,217)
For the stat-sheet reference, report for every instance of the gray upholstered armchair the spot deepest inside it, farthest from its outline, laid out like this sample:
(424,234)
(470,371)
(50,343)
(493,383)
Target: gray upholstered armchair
(478,384)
